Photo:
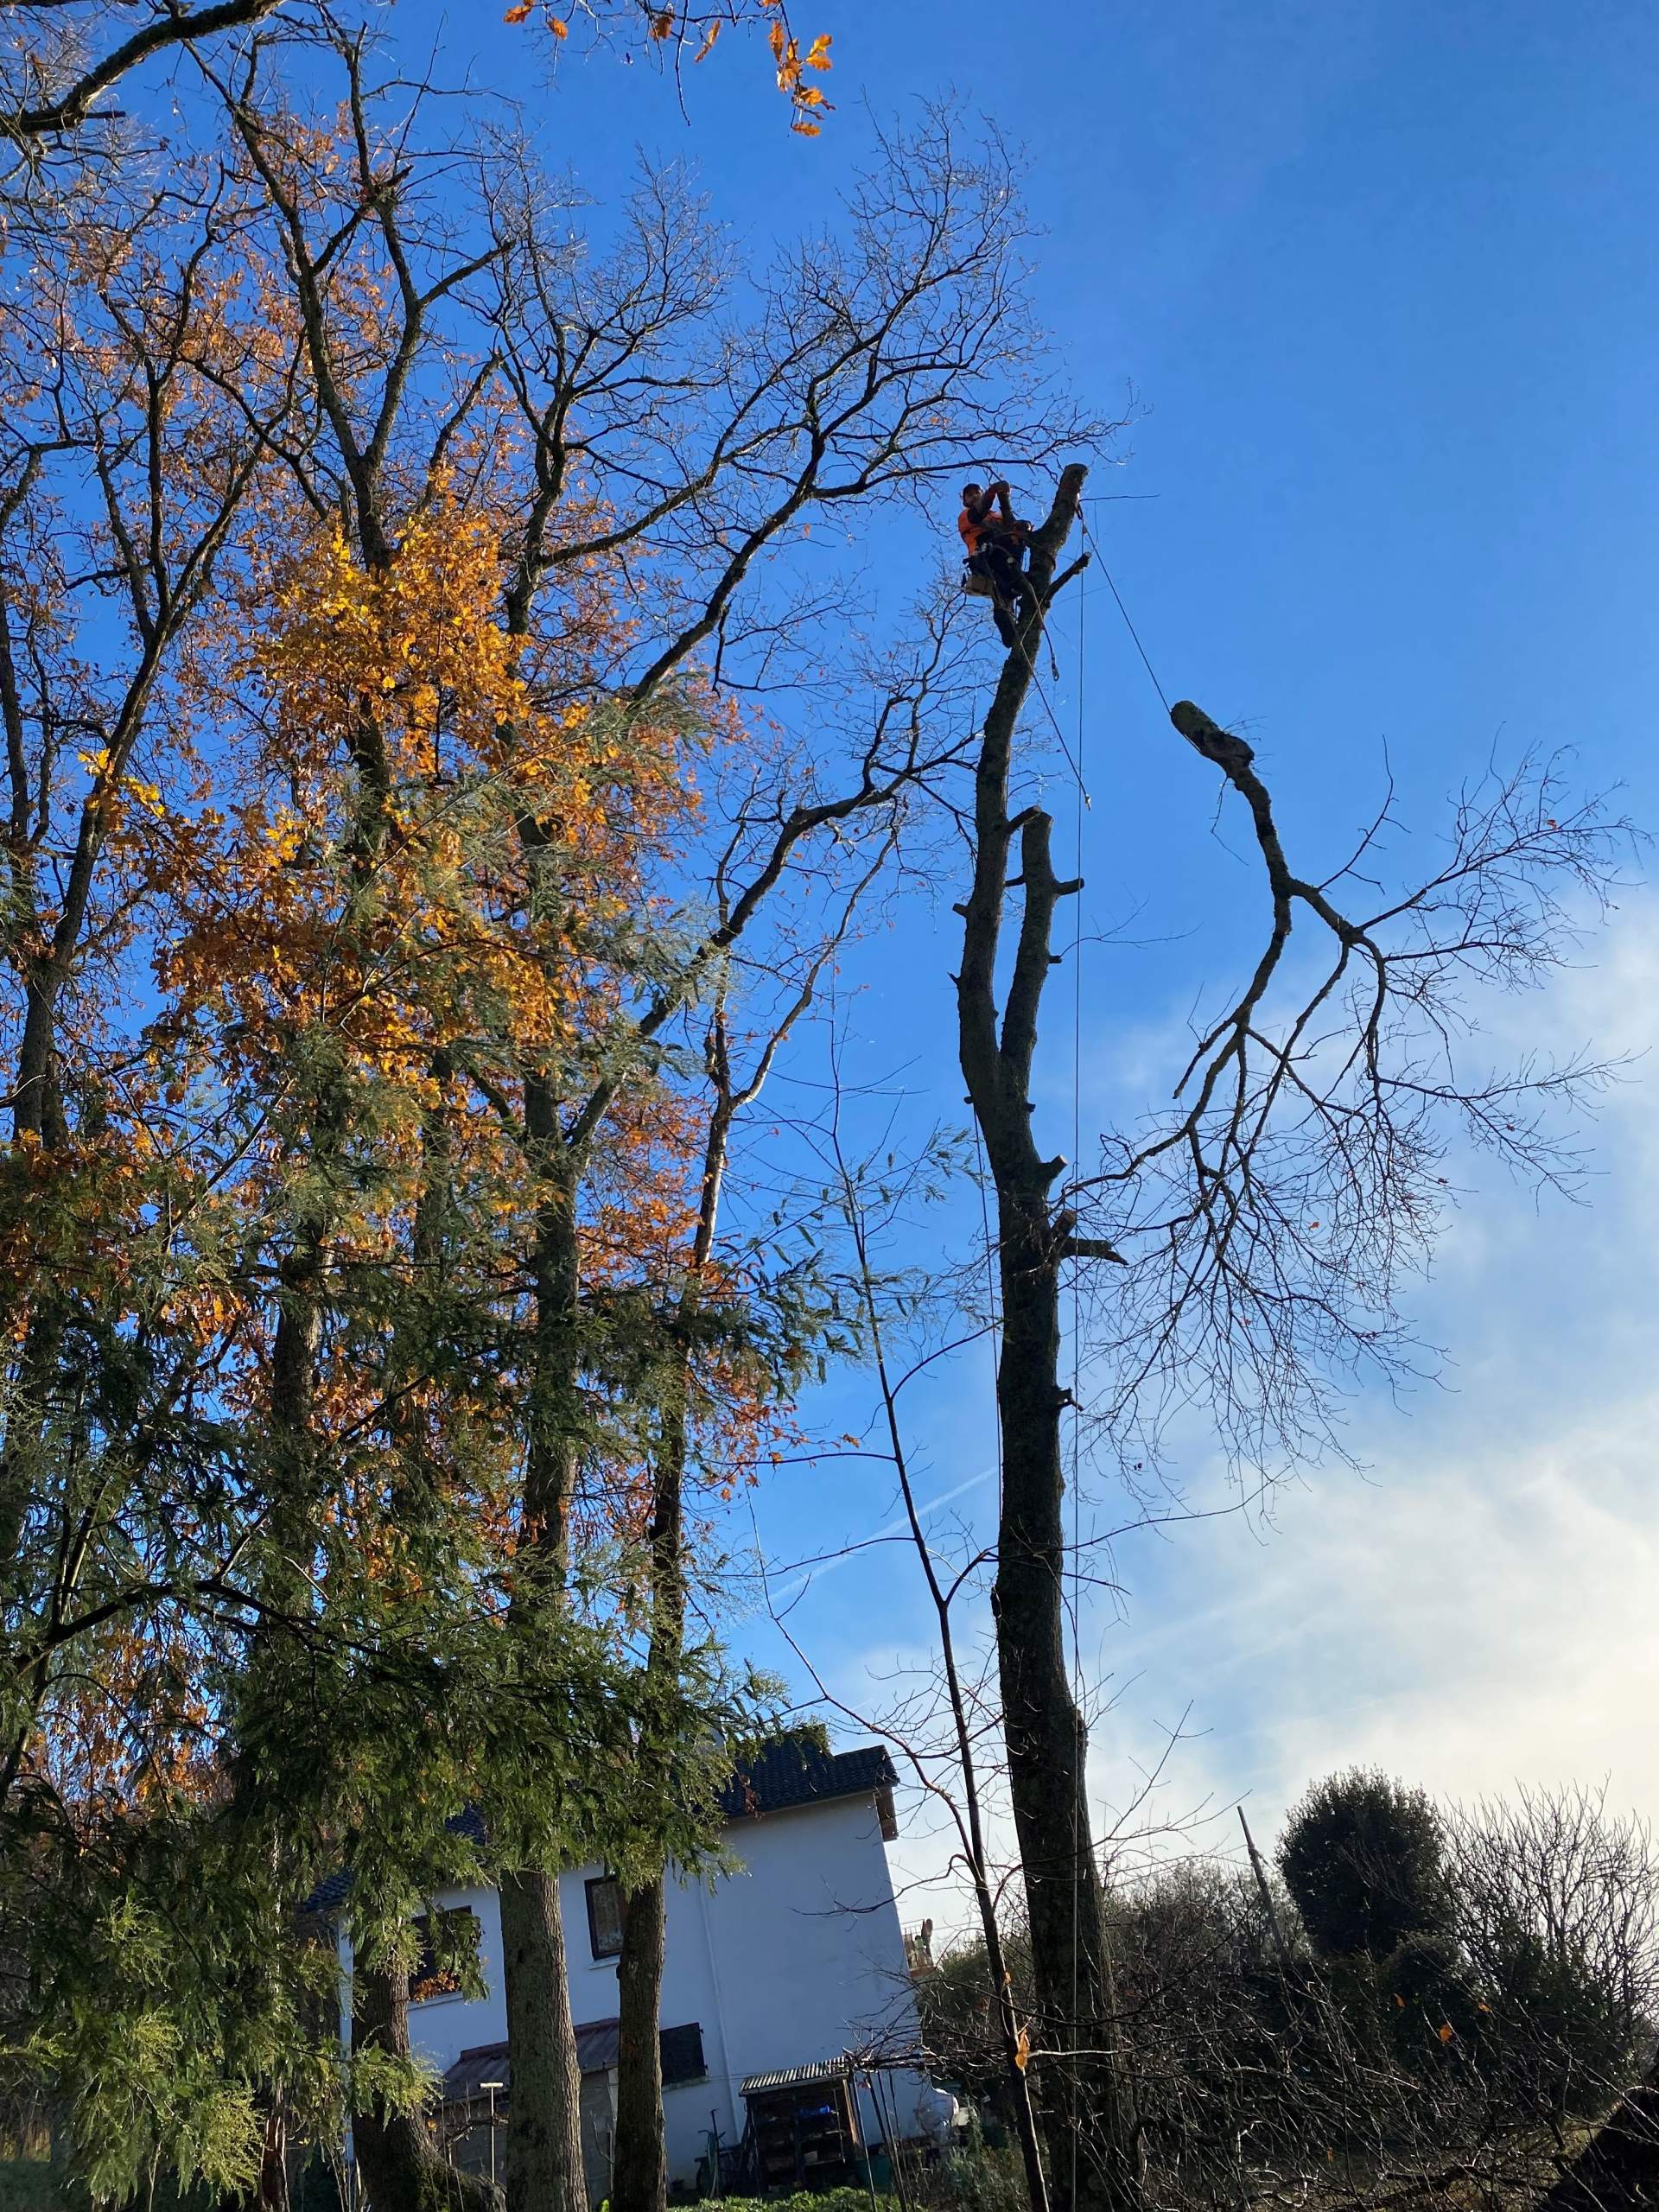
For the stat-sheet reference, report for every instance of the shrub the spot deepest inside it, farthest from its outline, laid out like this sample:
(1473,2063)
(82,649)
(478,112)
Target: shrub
(1363,1857)
(983,2180)
(843,2199)
(1557,1907)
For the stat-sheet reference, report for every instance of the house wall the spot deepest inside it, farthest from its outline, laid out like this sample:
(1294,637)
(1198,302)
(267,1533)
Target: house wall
(797,1957)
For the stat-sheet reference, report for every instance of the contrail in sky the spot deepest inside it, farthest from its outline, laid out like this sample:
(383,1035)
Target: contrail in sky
(899,1527)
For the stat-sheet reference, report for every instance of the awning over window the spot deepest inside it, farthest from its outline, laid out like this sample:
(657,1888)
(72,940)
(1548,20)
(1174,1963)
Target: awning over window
(798,2077)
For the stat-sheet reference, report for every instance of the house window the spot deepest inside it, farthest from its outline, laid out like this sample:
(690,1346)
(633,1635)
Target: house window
(436,1971)
(683,2059)
(605,1915)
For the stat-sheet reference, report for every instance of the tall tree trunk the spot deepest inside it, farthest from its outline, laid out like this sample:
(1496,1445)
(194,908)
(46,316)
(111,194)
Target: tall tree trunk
(402,2168)
(543,2162)
(1017,2083)
(639,2154)
(1083,2086)
(639,2163)
(1084,2098)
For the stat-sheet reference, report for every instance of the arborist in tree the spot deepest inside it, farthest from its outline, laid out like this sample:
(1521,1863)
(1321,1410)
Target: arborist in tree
(996,543)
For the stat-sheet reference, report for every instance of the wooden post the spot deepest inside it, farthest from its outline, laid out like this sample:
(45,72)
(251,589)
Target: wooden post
(1268,1905)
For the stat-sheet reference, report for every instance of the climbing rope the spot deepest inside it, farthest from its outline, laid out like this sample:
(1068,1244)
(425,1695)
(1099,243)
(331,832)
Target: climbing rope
(1088,539)
(1076,1409)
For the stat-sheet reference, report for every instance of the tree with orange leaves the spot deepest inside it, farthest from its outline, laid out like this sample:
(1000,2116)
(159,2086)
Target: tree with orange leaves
(57,75)
(691,29)
(360,1095)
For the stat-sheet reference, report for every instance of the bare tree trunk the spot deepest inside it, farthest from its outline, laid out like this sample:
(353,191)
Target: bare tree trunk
(1085,2101)
(639,2164)
(402,2168)
(639,2155)
(968,1816)
(544,2160)
(1094,2147)
(640,2159)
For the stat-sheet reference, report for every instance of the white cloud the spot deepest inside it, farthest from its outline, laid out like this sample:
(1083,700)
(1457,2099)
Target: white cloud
(1466,1618)
(1480,1609)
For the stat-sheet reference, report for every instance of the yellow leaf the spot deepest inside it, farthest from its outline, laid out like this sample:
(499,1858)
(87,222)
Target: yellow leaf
(1447,2031)
(817,54)
(662,24)
(518,14)
(708,38)
(1022,2050)
(559,27)
(803,128)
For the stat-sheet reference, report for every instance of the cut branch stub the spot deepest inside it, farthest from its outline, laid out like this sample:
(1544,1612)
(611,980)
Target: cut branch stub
(1229,752)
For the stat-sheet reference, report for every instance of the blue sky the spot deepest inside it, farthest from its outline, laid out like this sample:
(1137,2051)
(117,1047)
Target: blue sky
(1379,280)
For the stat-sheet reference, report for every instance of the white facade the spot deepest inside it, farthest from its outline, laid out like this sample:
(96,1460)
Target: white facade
(797,1958)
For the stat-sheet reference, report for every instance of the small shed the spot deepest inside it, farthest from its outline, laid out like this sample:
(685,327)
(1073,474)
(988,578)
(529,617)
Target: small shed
(804,2127)
(478,2096)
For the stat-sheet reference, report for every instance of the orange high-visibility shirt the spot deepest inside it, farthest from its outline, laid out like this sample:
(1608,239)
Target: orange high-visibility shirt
(971,527)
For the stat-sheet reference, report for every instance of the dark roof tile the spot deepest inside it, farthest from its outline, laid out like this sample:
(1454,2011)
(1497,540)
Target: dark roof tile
(794,1771)
(333,1892)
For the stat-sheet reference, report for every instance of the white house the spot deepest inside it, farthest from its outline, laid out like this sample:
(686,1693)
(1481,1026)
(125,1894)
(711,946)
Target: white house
(793,1961)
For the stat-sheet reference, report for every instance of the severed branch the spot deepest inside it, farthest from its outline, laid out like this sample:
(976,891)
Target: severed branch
(1264,1222)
